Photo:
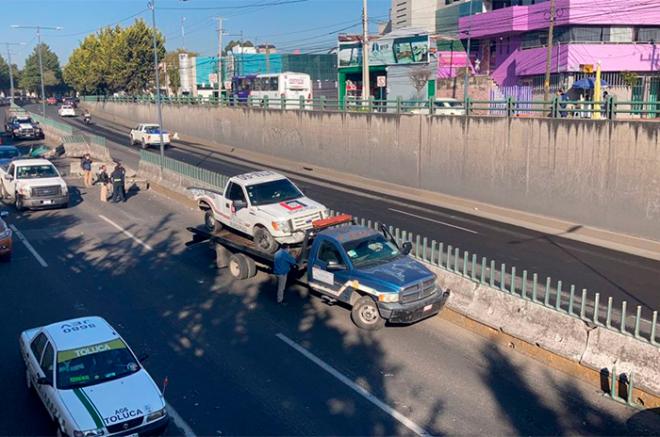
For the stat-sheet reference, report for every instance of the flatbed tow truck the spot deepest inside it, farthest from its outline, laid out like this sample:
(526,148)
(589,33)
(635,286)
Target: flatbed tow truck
(361,268)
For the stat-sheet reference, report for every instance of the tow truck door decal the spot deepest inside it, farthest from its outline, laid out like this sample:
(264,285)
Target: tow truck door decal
(323,276)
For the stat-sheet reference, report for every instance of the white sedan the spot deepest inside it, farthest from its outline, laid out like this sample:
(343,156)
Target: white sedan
(443,106)
(90,381)
(66,111)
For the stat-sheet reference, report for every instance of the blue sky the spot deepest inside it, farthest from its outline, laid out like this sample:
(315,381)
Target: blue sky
(307,24)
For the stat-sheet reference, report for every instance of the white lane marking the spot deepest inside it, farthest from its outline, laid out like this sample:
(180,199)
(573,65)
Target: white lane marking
(125,232)
(360,390)
(433,220)
(178,421)
(28,246)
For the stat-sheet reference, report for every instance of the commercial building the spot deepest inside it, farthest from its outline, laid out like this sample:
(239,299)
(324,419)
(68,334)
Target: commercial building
(419,14)
(510,39)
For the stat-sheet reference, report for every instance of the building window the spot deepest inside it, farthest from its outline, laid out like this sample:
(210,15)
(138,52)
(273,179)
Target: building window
(648,34)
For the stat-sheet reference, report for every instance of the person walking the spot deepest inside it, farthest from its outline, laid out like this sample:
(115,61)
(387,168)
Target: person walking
(284,261)
(104,180)
(117,178)
(86,166)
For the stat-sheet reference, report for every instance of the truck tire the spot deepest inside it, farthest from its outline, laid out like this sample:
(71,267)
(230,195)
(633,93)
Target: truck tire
(264,240)
(252,267)
(222,255)
(211,224)
(143,145)
(365,314)
(239,266)
(131,142)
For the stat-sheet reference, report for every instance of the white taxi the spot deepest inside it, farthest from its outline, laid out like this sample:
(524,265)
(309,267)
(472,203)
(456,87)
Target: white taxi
(66,111)
(90,381)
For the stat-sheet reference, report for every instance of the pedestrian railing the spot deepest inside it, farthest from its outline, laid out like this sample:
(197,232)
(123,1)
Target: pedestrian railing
(607,109)
(558,296)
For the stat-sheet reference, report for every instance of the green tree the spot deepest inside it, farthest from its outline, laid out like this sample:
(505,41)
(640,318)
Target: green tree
(30,76)
(4,74)
(134,66)
(172,65)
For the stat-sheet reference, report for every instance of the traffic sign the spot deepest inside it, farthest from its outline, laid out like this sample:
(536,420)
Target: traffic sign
(381,81)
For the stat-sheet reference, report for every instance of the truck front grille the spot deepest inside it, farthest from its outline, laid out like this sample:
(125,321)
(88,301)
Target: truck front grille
(418,291)
(51,190)
(305,222)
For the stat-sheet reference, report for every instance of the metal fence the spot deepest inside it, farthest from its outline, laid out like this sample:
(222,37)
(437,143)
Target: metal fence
(555,295)
(611,108)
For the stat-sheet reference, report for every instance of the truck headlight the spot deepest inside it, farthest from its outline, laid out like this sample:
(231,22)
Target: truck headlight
(388,297)
(25,191)
(156,415)
(65,190)
(282,225)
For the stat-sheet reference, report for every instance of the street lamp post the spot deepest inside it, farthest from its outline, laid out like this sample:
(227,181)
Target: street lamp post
(11,73)
(41,65)
(152,6)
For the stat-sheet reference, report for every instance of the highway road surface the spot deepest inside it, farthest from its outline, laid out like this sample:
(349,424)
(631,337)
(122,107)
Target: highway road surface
(239,364)
(608,272)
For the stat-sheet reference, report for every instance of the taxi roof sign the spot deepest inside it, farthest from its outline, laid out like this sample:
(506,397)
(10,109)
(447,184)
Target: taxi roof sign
(332,221)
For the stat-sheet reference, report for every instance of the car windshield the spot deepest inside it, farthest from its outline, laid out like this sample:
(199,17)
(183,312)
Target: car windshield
(36,171)
(8,153)
(94,364)
(280,190)
(374,249)
(23,120)
(152,129)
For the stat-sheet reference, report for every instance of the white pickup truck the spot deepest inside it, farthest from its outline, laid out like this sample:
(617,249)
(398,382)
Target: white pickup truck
(33,183)
(264,205)
(147,134)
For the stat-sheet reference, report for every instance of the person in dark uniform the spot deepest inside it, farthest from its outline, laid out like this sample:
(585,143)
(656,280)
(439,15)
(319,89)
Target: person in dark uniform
(117,177)
(104,180)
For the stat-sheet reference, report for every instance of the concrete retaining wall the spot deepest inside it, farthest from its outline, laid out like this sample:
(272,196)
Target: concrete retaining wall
(602,174)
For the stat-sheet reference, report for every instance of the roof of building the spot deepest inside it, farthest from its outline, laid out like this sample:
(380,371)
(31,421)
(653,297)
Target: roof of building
(81,332)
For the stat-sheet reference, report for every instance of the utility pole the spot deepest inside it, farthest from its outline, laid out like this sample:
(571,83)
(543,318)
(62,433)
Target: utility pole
(152,5)
(267,58)
(365,52)
(466,76)
(11,73)
(548,60)
(41,64)
(220,32)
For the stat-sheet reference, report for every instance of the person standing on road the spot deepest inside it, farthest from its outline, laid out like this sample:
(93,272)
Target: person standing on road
(104,180)
(283,263)
(86,165)
(117,178)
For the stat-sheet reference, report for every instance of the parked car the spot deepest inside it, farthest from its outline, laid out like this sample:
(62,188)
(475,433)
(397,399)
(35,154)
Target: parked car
(443,106)
(66,111)
(33,183)
(5,238)
(8,154)
(90,381)
(147,134)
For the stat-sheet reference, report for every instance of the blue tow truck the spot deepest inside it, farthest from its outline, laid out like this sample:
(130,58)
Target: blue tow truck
(359,267)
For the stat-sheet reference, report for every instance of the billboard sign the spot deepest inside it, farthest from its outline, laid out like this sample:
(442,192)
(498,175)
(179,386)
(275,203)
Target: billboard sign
(386,50)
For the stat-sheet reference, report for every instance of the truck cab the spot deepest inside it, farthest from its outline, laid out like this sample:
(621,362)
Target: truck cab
(264,205)
(368,270)
(33,183)
(148,134)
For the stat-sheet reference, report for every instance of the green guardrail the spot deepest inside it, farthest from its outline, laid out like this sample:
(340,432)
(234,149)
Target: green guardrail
(556,108)
(581,304)
(62,127)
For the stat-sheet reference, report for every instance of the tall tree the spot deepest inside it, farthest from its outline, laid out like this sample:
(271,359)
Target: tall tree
(4,74)
(135,62)
(30,76)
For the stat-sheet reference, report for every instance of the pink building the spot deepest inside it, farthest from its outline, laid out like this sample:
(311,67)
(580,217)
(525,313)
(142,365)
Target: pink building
(510,42)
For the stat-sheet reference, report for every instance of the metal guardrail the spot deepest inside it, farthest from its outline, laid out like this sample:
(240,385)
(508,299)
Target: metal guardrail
(611,108)
(555,296)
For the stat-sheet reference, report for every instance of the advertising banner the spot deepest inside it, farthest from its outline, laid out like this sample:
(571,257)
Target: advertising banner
(386,50)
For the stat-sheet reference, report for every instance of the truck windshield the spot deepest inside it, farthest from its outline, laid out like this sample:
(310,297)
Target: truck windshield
(280,190)
(94,364)
(374,249)
(36,172)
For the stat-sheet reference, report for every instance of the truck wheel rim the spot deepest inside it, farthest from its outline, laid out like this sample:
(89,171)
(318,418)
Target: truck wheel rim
(369,314)
(233,268)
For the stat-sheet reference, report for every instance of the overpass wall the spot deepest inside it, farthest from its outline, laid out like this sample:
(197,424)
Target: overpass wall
(597,173)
